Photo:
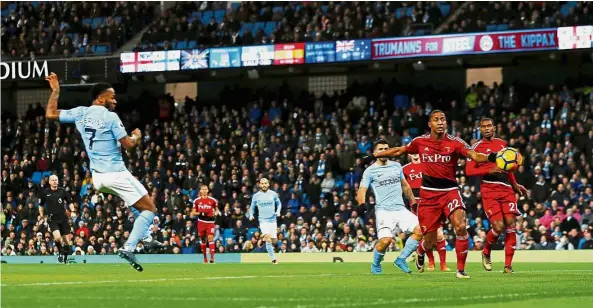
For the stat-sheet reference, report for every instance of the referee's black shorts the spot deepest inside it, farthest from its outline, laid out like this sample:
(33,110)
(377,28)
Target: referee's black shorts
(60,225)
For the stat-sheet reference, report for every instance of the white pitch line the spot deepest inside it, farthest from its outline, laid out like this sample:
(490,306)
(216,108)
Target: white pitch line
(59,283)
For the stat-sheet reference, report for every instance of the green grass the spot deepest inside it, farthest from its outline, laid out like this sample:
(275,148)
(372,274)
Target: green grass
(292,285)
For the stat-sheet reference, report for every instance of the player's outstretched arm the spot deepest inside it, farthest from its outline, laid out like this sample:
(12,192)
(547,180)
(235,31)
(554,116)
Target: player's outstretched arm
(481,158)
(392,152)
(474,169)
(52,112)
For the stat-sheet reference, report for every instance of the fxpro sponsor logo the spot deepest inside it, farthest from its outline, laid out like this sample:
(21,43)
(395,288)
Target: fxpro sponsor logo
(23,70)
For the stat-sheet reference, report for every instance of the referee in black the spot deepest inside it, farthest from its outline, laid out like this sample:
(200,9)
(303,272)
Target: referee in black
(56,201)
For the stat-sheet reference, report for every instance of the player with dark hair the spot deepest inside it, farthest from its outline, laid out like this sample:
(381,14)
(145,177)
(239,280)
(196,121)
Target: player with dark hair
(439,193)
(498,196)
(103,134)
(387,180)
(56,201)
(206,209)
(413,174)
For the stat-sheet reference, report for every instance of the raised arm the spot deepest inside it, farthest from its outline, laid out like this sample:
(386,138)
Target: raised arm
(52,112)
(481,158)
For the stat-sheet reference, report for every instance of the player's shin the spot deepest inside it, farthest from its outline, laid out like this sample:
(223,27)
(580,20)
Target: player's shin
(510,242)
(461,248)
(212,247)
(270,250)
(491,238)
(140,226)
(411,245)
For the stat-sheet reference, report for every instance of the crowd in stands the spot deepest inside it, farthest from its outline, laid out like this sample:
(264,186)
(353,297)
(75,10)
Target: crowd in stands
(40,29)
(193,24)
(514,15)
(310,148)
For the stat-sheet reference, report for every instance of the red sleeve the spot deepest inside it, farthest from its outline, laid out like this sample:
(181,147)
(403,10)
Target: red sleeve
(512,178)
(472,168)
(461,147)
(476,169)
(412,148)
(195,205)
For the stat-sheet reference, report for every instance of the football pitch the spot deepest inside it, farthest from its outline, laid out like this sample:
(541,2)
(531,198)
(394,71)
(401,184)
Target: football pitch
(292,285)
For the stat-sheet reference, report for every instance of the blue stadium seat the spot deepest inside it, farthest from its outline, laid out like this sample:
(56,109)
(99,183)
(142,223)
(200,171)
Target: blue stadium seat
(35,3)
(399,13)
(97,22)
(160,44)
(47,173)
(409,11)
(101,49)
(219,15)
(36,178)
(419,32)
(81,50)
(235,6)
(181,45)
(192,44)
(117,18)
(197,14)
(271,26)
(502,27)
(298,7)
(324,8)
(245,26)
(206,16)
(4,13)
(257,26)
(445,9)
(228,233)
(250,232)
(87,21)
(278,9)
(263,10)
(490,28)
(11,7)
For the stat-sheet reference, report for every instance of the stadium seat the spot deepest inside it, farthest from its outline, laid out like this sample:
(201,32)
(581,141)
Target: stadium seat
(206,16)
(502,27)
(490,28)
(278,9)
(87,21)
(257,26)
(101,49)
(445,9)
(251,231)
(324,8)
(181,45)
(97,22)
(37,176)
(235,6)
(117,18)
(271,26)
(192,44)
(219,15)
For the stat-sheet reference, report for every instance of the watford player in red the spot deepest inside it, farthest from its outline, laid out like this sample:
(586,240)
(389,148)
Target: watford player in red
(498,196)
(439,193)
(206,208)
(413,173)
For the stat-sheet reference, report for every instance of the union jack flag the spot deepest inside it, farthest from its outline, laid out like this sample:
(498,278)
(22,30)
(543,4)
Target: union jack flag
(344,46)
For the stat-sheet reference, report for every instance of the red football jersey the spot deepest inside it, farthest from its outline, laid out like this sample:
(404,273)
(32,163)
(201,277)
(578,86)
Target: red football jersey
(473,168)
(439,158)
(205,205)
(413,174)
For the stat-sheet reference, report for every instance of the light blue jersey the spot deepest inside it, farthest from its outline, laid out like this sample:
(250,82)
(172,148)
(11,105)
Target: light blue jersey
(386,182)
(101,130)
(268,205)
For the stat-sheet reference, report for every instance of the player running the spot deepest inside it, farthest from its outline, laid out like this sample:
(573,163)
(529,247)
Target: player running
(387,180)
(413,174)
(268,206)
(439,193)
(498,196)
(56,200)
(103,133)
(206,209)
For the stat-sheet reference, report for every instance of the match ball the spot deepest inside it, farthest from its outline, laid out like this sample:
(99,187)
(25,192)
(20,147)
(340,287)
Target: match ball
(509,159)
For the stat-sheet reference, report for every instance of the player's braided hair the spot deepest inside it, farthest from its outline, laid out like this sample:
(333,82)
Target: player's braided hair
(435,111)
